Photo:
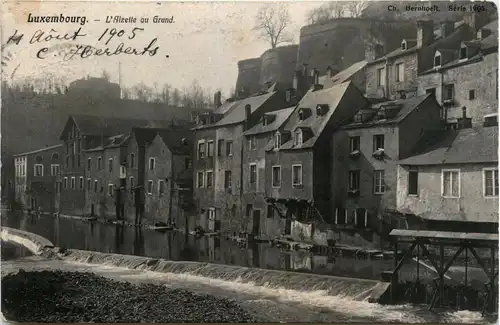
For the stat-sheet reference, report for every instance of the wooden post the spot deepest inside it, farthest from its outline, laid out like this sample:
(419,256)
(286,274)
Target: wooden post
(441,275)
(336,216)
(394,278)
(366,218)
(345,216)
(356,216)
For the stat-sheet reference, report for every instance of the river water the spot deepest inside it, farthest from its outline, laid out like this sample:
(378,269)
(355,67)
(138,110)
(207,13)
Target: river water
(286,302)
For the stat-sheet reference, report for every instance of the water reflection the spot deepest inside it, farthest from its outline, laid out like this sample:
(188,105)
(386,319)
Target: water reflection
(108,238)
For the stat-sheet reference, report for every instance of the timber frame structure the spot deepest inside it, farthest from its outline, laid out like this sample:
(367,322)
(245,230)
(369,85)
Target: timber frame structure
(463,242)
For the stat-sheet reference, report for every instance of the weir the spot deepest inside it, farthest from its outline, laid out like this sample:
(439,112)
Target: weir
(354,289)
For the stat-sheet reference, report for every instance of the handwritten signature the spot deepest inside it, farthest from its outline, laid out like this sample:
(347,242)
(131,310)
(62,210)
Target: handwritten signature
(85,51)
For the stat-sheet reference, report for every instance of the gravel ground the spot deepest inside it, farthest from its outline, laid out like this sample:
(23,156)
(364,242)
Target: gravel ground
(72,297)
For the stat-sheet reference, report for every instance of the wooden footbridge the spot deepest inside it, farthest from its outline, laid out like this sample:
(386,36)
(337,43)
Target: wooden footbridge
(463,243)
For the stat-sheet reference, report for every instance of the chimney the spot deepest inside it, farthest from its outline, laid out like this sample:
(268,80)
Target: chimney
(331,71)
(296,79)
(315,76)
(475,20)
(483,33)
(447,27)
(217,100)
(425,32)
(304,70)
(248,111)
(374,51)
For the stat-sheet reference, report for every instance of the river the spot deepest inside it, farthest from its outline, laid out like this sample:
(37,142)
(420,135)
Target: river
(287,298)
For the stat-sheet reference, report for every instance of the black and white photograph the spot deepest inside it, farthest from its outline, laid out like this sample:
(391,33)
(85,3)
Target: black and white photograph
(249,162)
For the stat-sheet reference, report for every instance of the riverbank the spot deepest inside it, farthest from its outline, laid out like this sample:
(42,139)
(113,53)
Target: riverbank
(71,297)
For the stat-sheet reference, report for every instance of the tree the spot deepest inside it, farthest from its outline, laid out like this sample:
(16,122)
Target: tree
(356,8)
(272,22)
(336,9)
(176,97)
(142,92)
(106,75)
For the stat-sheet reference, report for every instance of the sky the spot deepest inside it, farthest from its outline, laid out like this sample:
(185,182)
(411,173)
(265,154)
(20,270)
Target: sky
(205,42)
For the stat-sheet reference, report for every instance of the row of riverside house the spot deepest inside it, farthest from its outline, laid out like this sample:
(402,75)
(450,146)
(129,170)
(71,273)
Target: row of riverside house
(398,156)
(389,142)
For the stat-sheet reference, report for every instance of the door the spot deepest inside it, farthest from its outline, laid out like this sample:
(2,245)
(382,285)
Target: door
(288,227)
(256,222)
(211,220)
(92,209)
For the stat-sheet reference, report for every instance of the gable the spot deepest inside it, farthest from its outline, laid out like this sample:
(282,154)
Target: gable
(70,123)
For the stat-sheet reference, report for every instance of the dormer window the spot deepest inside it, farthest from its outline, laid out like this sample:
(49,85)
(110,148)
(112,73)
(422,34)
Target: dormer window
(463,52)
(298,140)
(277,140)
(264,120)
(321,109)
(437,60)
(304,113)
(403,45)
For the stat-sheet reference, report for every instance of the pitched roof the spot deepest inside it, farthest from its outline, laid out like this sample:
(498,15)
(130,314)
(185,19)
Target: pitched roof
(109,126)
(235,111)
(280,117)
(330,96)
(406,107)
(466,146)
(179,141)
(344,75)
(490,41)
(38,150)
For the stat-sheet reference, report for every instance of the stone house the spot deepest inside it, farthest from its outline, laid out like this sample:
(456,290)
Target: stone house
(367,149)
(218,158)
(298,160)
(168,177)
(451,180)
(389,74)
(105,178)
(465,75)
(35,178)
(256,139)
(83,132)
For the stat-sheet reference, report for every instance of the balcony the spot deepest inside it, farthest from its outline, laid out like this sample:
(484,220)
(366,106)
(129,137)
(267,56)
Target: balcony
(379,154)
(355,154)
(353,193)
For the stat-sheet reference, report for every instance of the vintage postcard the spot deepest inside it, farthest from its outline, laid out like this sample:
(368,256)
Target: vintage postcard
(249,161)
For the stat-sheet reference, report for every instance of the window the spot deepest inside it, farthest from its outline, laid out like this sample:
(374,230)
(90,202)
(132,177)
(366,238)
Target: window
(132,160)
(152,163)
(354,180)
(253,173)
(227,179)
(150,187)
(448,92)
(451,183)
(209,179)
(161,187)
(99,163)
(378,142)
(413,182)
(89,163)
(297,175)
(270,211)
(73,183)
(110,189)
(200,179)
(378,182)
(80,183)
(65,183)
(110,165)
(131,181)
(298,137)
(437,60)
(229,148)
(54,169)
(89,184)
(354,143)
(248,210)
(210,149)
(463,52)
(38,170)
(277,140)
(201,150)
(276,176)
(220,147)
(96,185)
(490,182)
(381,77)
(472,94)
(188,163)
(251,143)
(400,72)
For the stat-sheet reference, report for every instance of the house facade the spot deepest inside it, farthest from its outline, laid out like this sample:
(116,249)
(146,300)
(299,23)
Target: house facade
(260,217)
(451,182)
(298,167)
(35,178)
(367,150)
(219,156)
(465,76)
